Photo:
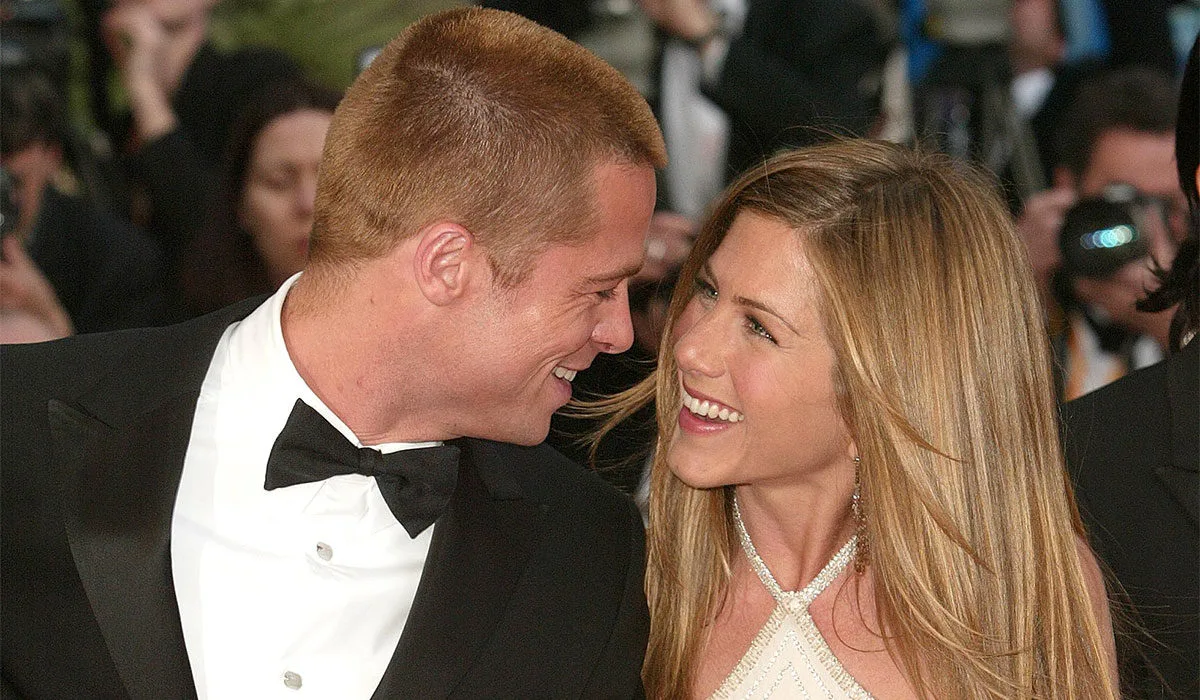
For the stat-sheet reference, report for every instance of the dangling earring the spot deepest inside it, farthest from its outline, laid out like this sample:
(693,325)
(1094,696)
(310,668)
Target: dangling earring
(860,519)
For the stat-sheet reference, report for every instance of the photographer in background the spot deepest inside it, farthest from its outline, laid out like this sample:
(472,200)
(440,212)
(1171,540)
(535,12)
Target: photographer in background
(64,262)
(1116,142)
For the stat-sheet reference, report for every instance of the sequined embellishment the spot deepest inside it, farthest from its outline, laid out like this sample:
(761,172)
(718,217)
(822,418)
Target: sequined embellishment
(788,655)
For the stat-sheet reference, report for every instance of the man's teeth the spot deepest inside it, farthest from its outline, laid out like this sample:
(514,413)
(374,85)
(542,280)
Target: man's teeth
(564,373)
(710,410)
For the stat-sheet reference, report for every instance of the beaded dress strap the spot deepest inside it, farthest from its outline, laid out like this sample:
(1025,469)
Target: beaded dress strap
(809,593)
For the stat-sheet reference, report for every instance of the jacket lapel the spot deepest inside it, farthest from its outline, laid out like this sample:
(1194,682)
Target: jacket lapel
(1182,476)
(1184,487)
(122,446)
(118,507)
(479,549)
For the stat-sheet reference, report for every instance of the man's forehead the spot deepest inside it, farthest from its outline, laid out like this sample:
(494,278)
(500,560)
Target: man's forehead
(1145,160)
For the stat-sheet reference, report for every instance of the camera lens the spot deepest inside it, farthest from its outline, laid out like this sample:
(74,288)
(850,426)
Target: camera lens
(1101,235)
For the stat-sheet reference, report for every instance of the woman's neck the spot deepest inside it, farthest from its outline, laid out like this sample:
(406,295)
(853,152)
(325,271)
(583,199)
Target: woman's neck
(797,529)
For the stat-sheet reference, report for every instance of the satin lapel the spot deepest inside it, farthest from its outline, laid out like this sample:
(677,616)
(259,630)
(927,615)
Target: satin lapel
(1184,486)
(1182,476)
(122,445)
(479,550)
(119,504)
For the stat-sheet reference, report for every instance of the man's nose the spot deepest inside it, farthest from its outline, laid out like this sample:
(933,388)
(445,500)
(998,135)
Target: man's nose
(614,332)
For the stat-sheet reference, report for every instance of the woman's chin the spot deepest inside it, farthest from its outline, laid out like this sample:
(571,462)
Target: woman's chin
(695,473)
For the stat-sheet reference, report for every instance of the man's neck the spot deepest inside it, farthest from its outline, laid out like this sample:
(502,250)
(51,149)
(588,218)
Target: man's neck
(352,364)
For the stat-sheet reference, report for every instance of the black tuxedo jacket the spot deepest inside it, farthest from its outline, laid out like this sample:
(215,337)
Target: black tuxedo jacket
(532,587)
(1134,452)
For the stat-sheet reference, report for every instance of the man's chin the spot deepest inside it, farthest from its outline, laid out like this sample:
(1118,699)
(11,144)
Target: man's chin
(532,433)
(533,436)
(524,440)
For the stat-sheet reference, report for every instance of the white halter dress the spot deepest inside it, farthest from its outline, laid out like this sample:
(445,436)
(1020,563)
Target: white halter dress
(788,657)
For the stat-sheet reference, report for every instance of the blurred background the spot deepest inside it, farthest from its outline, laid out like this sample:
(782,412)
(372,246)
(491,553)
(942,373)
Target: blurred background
(158,157)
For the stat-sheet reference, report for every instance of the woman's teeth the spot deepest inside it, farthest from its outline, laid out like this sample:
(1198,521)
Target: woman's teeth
(710,410)
(565,374)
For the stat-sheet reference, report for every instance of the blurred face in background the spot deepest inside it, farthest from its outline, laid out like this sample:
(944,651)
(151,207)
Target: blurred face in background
(1035,41)
(1146,161)
(156,39)
(32,168)
(276,207)
(171,14)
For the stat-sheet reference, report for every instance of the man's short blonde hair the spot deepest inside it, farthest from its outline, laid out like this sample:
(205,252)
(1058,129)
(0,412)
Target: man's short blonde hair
(483,118)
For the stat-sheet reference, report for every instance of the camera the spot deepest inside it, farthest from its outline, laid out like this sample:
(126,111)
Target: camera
(1101,234)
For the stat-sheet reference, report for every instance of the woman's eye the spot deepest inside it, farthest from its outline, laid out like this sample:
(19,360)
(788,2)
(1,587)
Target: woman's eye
(607,294)
(704,289)
(758,328)
(275,182)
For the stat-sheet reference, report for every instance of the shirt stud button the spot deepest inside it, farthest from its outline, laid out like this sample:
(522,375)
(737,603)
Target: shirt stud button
(292,680)
(324,551)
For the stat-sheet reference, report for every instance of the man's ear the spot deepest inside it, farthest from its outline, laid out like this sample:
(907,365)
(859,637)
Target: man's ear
(445,260)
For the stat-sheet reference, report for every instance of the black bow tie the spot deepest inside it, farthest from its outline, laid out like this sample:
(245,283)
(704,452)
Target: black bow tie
(417,484)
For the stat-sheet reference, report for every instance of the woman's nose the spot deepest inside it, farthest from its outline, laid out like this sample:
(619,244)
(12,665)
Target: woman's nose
(306,194)
(698,348)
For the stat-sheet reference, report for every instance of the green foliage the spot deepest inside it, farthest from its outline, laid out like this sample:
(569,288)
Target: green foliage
(324,36)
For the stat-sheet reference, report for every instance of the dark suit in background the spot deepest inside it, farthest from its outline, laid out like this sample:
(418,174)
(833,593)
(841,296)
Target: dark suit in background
(532,586)
(1134,450)
(107,275)
(799,67)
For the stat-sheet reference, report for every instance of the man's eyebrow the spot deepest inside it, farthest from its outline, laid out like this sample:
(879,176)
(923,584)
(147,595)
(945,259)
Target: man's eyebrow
(617,275)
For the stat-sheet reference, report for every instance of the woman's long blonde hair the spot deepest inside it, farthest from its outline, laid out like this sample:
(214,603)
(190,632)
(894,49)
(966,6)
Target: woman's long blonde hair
(943,373)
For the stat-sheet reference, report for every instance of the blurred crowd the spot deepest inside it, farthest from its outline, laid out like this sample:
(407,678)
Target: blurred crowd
(197,190)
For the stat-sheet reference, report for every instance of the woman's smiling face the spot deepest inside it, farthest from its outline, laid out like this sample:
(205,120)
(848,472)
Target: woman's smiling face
(753,358)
